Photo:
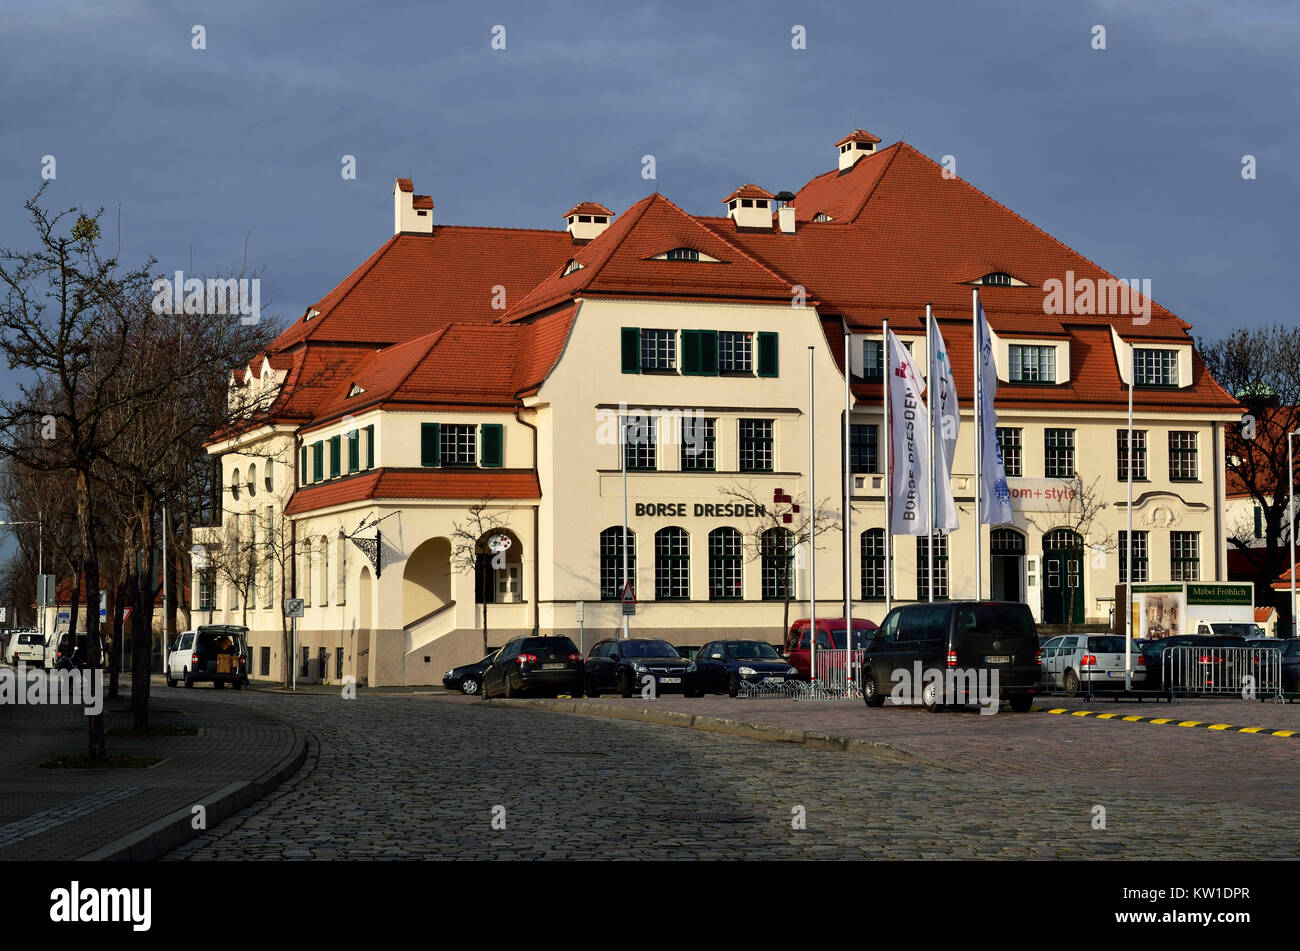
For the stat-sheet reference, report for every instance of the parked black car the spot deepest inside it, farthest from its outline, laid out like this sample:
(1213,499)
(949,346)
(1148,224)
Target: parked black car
(620,666)
(1210,669)
(1290,664)
(468,678)
(689,651)
(534,665)
(973,639)
(722,665)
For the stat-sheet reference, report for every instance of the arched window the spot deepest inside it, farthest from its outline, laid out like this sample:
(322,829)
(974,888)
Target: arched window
(940,566)
(683,254)
(996,279)
(672,564)
(1006,541)
(270,482)
(778,564)
(324,593)
(612,577)
(1062,539)
(873,564)
(234,485)
(724,565)
(252,481)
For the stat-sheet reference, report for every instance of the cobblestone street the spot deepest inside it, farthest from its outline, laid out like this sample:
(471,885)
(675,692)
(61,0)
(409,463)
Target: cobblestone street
(423,776)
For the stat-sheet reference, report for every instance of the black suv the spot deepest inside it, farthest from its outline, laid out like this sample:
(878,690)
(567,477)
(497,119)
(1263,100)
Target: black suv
(536,665)
(622,665)
(956,649)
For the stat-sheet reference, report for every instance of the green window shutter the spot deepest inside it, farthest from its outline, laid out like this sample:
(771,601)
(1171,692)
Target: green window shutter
(335,461)
(709,352)
(428,444)
(490,445)
(370,447)
(1259,522)
(631,350)
(317,461)
(691,352)
(303,475)
(354,450)
(769,363)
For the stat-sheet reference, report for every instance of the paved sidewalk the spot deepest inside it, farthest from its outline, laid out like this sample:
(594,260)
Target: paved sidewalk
(239,755)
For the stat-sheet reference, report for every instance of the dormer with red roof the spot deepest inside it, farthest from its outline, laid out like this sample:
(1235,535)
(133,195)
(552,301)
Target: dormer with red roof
(750,207)
(412,213)
(587,220)
(855,145)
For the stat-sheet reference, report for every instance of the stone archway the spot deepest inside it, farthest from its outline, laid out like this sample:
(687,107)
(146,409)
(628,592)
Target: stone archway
(426,580)
(365,624)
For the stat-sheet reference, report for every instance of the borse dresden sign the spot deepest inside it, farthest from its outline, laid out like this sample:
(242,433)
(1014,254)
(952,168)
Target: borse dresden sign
(699,510)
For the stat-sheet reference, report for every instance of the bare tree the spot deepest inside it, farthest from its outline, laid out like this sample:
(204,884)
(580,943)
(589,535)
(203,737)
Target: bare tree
(469,546)
(763,538)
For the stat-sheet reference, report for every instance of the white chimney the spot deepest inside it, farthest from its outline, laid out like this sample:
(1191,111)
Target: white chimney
(587,219)
(857,144)
(750,207)
(411,212)
(785,212)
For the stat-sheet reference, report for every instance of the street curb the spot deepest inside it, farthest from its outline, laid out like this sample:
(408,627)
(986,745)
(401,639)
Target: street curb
(1171,721)
(741,728)
(158,838)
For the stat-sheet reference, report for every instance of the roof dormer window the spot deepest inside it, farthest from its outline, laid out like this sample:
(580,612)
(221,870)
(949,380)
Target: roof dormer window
(356,390)
(571,267)
(683,254)
(998,279)
(822,216)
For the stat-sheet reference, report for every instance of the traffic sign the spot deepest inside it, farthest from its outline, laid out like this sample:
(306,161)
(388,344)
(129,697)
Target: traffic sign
(580,610)
(629,595)
(629,608)
(293,607)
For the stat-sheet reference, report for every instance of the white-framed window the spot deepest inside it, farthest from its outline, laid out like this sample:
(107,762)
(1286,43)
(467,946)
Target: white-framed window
(1155,367)
(1032,364)
(735,351)
(658,349)
(638,441)
(457,445)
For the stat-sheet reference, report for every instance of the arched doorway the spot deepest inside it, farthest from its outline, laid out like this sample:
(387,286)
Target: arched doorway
(498,573)
(426,580)
(1008,567)
(1063,577)
(365,622)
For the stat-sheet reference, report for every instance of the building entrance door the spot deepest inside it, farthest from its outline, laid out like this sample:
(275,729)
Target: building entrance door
(1063,593)
(1006,582)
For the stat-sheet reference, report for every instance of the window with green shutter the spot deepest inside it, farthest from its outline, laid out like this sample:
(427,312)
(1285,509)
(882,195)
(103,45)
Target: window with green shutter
(429,444)
(631,350)
(700,352)
(370,447)
(354,450)
(769,362)
(490,445)
(317,461)
(336,461)
(303,477)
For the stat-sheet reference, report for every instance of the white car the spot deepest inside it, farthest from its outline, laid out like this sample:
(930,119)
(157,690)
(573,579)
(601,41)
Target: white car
(214,652)
(1071,660)
(27,647)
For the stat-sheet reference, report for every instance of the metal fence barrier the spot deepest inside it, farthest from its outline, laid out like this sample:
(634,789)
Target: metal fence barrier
(839,671)
(1248,672)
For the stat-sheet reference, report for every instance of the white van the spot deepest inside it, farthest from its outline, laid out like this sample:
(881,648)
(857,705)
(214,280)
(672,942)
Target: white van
(27,647)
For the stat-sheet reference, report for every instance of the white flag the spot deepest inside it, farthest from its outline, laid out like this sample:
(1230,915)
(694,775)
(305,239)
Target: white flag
(947,421)
(995,500)
(911,443)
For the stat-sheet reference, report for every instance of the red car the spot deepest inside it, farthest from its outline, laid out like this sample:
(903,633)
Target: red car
(830,636)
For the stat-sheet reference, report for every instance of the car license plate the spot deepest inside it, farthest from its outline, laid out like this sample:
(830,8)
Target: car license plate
(552,666)
(1115,673)
(670,680)
(997,659)
(774,680)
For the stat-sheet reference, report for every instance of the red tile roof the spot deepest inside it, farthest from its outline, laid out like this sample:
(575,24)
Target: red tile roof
(405,184)
(587,208)
(422,484)
(1263,614)
(748,191)
(424,202)
(857,135)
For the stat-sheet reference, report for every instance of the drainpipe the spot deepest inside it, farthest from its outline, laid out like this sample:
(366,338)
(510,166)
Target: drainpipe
(536,539)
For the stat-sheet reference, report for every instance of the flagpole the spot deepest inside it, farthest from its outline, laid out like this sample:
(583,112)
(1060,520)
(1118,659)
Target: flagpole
(848,501)
(1128,538)
(929,415)
(812,528)
(978,417)
(889,469)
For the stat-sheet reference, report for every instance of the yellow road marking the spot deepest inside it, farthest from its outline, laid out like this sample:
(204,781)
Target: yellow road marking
(1163,720)
(1251,729)
(1134,719)
(1284,732)
(1059,710)
(1190,723)
(1081,713)
(1222,726)
(1106,716)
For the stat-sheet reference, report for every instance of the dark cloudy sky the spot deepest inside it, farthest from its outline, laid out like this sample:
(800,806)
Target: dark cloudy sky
(1131,154)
